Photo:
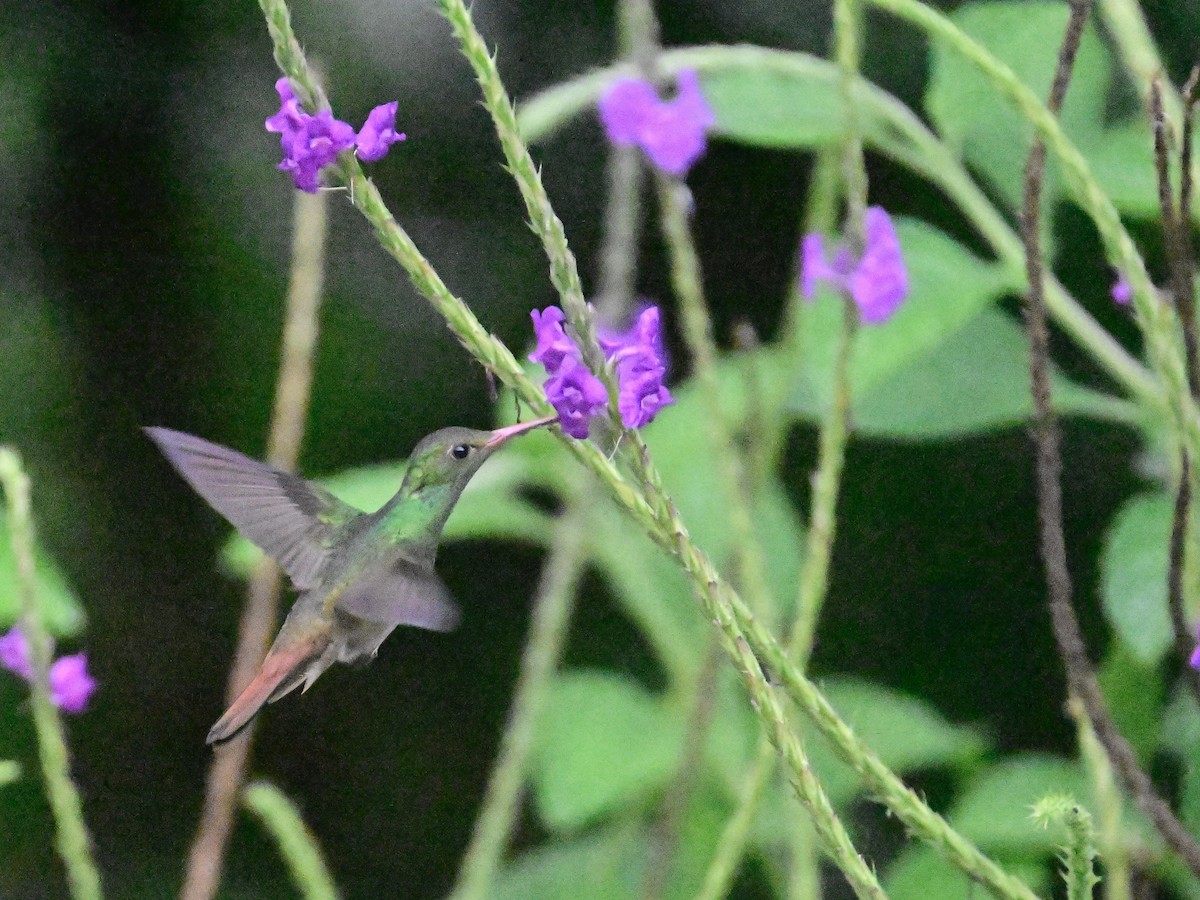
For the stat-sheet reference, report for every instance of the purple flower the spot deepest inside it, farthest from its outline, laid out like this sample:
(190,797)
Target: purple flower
(14,653)
(378,133)
(553,344)
(309,143)
(878,282)
(1122,293)
(637,356)
(641,367)
(670,132)
(577,395)
(70,684)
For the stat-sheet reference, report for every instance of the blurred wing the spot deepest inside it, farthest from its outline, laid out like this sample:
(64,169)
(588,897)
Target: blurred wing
(292,520)
(405,594)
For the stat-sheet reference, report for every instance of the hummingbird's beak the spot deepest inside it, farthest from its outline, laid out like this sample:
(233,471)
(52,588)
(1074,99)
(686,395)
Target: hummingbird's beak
(500,435)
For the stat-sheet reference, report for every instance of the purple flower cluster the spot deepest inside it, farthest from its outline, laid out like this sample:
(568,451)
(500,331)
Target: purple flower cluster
(877,282)
(311,142)
(670,132)
(578,395)
(1122,290)
(70,684)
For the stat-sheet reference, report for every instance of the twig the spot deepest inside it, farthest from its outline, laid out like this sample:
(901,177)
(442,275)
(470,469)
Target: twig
(1081,678)
(547,635)
(1185,640)
(297,845)
(292,390)
(72,840)
(1177,240)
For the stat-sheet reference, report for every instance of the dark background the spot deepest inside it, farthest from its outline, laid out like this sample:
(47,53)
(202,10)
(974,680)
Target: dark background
(143,254)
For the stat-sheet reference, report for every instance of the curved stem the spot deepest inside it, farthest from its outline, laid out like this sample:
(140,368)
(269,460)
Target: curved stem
(72,840)
(296,842)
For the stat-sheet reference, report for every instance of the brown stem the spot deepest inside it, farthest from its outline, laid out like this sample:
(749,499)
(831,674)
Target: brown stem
(1177,241)
(292,390)
(1081,678)
(1184,639)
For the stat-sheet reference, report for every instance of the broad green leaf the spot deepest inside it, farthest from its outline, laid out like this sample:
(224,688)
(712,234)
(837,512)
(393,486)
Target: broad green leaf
(61,611)
(948,288)
(994,808)
(1122,159)
(651,589)
(920,873)
(976,380)
(606,864)
(699,831)
(1133,580)
(603,743)
(978,122)
(760,96)
(1134,691)
(906,732)
(799,106)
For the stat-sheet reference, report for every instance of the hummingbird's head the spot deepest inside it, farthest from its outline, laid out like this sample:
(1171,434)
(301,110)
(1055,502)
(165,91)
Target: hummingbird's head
(450,457)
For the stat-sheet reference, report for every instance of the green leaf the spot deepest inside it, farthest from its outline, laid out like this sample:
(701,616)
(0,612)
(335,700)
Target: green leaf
(61,612)
(920,872)
(1133,576)
(906,732)
(1134,691)
(606,864)
(994,809)
(979,123)
(760,96)
(799,106)
(1122,159)
(651,589)
(948,288)
(603,743)
(976,380)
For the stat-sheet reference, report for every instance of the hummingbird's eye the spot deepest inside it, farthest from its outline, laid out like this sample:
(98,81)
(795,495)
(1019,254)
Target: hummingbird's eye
(460,451)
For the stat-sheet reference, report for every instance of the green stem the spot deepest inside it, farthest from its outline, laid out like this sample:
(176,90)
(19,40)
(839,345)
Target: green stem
(740,632)
(1126,25)
(547,635)
(674,201)
(297,844)
(10,771)
(1079,854)
(1117,877)
(731,844)
(564,273)
(622,220)
(72,840)
(1156,319)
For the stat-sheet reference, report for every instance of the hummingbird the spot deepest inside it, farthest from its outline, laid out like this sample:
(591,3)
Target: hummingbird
(358,574)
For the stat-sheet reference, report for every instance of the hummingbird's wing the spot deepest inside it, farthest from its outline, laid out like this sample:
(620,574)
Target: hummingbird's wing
(294,521)
(402,594)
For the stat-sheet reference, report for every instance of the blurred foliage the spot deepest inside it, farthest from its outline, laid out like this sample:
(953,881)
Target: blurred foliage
(144,264)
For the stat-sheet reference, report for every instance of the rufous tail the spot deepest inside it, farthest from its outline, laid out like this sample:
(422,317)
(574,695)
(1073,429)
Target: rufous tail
(282,670)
